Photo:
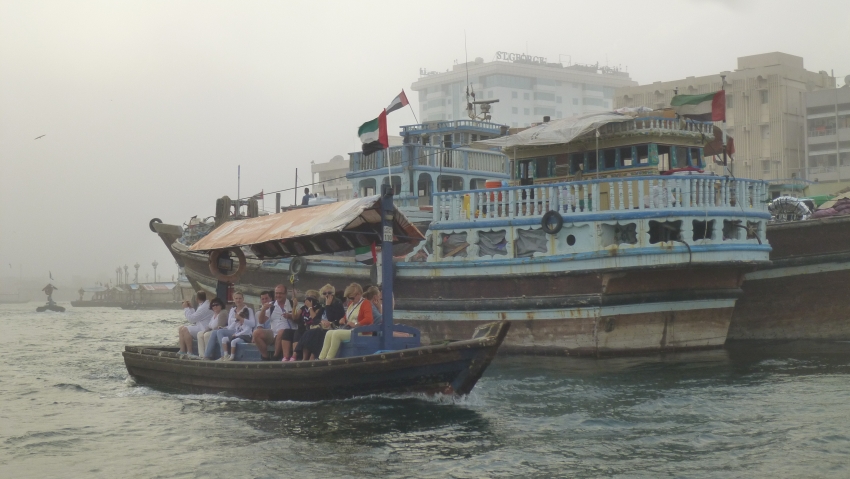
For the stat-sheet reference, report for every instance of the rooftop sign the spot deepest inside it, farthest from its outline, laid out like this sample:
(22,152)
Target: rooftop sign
(519,57)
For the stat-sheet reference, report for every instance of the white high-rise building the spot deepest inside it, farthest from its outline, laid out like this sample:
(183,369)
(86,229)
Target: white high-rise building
(528,88)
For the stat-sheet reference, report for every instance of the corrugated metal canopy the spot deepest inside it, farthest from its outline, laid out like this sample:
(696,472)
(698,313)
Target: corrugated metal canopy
(556,132)
(323,229)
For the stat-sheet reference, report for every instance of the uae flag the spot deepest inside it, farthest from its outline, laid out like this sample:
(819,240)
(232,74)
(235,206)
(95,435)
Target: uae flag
(707,107)
(366,254)
(398,102)
(373,134)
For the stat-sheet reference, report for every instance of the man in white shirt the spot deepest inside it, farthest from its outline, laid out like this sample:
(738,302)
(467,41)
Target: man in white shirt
(278,314)
(199,321)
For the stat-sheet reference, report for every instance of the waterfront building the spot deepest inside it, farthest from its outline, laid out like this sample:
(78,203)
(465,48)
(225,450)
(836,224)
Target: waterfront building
(764,110)
(828,139)
(528,88)
(330,178)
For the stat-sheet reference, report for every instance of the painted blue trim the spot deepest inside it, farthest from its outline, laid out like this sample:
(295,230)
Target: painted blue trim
(618,215)
(601,180)
(459,171)
(589,256)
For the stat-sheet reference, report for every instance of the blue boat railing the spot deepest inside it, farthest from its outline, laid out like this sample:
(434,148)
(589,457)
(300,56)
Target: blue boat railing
(576,198)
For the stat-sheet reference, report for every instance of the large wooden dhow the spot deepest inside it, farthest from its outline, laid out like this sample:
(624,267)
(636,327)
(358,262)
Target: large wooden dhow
(802,293)
(589,258)
(379,358)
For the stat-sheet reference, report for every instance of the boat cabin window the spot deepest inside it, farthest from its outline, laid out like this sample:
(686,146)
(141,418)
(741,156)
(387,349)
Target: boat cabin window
(664,157)
(447,141)
(626,155)
(396,184)
(591,161)
(523,173)
(576,159)
(680,160)
(642,152)
(609,158)
(695,157)
(541,169)
(562,165)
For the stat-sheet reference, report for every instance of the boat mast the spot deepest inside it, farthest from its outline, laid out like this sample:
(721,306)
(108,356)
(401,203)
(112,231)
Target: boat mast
(387,212)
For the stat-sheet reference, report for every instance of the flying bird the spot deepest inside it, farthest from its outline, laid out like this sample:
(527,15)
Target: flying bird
(40,136)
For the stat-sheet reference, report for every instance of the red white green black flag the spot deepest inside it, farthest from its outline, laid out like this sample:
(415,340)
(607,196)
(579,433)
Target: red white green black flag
(373,134)
(706,107)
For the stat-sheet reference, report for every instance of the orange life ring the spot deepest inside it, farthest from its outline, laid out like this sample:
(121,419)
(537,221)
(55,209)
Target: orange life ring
(232,278)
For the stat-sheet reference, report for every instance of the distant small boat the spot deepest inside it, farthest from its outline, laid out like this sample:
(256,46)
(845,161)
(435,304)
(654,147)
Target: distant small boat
(50,307)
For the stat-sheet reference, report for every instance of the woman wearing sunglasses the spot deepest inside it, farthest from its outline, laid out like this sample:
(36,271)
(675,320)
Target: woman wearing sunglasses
(353,318)
(327,318)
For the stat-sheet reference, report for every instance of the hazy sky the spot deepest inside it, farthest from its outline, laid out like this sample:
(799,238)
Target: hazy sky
(148,107)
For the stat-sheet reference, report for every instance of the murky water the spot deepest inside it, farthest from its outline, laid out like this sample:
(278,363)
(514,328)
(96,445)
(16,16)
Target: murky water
(68,410)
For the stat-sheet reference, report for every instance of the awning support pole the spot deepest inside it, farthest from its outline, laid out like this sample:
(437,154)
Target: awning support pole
(387,211)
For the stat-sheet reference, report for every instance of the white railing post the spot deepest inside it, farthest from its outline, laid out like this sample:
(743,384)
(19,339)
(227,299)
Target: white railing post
(641,202)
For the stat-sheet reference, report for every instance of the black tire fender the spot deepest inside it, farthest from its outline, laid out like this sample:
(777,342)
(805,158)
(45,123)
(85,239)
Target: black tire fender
(151,223)
(546,222)
(298,265)
(231,278)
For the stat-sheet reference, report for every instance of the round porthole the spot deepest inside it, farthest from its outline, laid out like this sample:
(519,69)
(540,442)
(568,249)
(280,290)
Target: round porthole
(571,240)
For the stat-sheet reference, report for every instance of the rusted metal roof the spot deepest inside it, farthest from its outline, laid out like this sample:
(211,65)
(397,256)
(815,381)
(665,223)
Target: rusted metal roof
(322,229)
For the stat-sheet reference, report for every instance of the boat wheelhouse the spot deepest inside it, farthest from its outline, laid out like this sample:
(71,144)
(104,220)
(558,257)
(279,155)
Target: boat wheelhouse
(434,157)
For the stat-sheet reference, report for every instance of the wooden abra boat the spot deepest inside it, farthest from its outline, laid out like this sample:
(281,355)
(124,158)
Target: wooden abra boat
(380,358)
(453,368)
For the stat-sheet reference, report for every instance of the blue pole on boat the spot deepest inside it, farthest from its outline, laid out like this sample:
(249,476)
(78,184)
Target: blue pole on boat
(387,211)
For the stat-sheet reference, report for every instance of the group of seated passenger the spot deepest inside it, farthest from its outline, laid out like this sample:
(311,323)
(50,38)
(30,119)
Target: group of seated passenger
(313,331)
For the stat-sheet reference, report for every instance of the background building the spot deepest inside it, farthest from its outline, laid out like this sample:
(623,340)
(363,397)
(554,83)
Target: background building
(828,138)
(332,175)
(765,113)
(528,88)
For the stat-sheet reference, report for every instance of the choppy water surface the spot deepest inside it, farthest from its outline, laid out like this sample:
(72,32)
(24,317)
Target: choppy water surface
(68,410)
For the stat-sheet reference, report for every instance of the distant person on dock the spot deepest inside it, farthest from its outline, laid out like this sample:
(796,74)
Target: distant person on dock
(278,314)
(199,321)
(305,200)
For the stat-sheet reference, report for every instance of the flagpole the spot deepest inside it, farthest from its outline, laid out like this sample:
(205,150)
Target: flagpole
(413,111)
(238,188)
(597,153)
(723,89)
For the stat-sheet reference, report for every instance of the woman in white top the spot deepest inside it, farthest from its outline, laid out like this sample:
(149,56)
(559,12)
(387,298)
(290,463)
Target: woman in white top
(218,321)
(242,334)
(212,350)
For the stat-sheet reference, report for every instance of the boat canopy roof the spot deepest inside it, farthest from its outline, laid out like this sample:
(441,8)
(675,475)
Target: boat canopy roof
(557,132)
(322,229)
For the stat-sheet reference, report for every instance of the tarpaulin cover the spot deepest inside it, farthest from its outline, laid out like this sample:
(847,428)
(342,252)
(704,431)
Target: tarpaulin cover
(557,132)
(313,230)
